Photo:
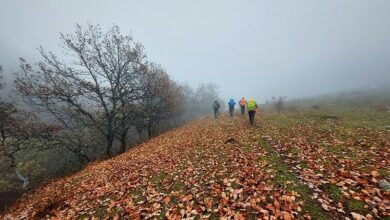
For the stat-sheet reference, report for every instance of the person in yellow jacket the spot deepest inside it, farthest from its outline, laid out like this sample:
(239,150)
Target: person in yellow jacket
(252,108)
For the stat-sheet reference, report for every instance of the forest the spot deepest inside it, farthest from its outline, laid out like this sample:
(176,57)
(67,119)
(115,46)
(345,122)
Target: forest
(96,102)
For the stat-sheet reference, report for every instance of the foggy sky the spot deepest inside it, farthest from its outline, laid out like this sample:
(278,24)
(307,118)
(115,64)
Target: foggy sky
(253,48)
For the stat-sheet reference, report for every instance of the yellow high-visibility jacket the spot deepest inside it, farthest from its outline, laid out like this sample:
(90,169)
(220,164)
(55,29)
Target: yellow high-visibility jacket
(252,105)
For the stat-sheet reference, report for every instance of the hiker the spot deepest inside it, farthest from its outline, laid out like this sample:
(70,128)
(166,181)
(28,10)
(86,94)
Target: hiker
(216,108)
(252,107)
(231,104)
(242,105)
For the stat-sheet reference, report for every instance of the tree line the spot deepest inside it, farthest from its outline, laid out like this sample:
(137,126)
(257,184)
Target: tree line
(88,103)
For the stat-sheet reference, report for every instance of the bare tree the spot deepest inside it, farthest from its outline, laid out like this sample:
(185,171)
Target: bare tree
(22,131)
(161,98)
(204,97)
(1,77)
(99,81)
(280,104)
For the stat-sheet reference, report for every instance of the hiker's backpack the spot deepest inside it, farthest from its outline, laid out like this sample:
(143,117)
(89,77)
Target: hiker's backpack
(251,105)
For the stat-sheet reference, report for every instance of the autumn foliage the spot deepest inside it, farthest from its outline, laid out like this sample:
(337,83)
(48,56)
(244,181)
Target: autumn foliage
(227,169)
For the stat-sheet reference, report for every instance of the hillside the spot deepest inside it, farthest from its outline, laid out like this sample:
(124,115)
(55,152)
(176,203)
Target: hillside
(291,165)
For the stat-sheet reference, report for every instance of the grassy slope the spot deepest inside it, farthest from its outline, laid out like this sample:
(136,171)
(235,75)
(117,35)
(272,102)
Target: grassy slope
(289,165)
(341,153)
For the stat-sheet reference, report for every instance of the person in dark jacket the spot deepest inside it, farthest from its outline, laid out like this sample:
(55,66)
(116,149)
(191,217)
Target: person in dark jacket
(231,104)
(216,106)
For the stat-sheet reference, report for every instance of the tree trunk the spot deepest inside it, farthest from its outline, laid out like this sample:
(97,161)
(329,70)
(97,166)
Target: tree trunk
(139,131)
(82,158)
(157,127)
(20,176)
(150,131)
(124,141)
(110,142)
(24,179)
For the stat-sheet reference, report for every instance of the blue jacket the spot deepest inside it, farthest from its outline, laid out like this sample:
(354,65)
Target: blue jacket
(231,102)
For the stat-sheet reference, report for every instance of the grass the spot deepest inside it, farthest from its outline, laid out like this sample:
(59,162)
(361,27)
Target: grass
(101,212)
(158,181)
(384,172)
(137,195)
(343,132)
(333,132)
(246,148)
(83,217)
(333,149)
(293,150)
(283,175)
(356,206)
(333,191)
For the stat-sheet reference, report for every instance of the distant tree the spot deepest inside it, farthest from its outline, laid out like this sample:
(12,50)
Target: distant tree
(161,98)
(198,102)
(292,107)
(204,97)
(316,106)
(1,77)
(76,136)
(99,81)
(280,104)
(273,100)
(187,94)
(21,131)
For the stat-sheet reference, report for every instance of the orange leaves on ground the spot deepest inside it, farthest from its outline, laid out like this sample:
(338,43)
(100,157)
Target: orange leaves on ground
(194,171)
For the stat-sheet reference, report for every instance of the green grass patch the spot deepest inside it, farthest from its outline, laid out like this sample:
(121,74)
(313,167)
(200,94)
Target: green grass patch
(333,191)
(101,212)
(303,165)
(137,195)
(83,217)
(246,148)
(293,150)
(283,174)
(327,117)
(77,180)
(157,179)
(177,186)
(356,206)
(333,149)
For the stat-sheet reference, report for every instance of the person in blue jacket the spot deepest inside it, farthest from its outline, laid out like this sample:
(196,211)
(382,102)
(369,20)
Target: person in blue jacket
(231,104)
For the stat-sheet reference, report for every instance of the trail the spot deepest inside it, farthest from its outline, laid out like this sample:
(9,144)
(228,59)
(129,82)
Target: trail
(207,169)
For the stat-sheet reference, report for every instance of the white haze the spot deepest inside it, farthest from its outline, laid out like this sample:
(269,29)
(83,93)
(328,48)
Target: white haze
(249,48)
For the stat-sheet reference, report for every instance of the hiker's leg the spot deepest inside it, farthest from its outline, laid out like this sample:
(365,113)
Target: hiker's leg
(251,116)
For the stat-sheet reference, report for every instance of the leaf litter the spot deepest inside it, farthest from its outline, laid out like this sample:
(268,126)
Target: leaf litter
(225,169)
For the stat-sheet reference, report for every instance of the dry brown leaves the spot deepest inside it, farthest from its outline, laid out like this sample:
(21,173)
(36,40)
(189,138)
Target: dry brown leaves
(351,166)
(194,171)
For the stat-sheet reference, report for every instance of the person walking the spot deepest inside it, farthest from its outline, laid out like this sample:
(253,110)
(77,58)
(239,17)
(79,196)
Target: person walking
(216,106)
(231,104)
(252,107)
(242,105)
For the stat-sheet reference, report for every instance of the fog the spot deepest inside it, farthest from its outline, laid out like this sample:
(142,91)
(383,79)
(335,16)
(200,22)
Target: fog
(254,49)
